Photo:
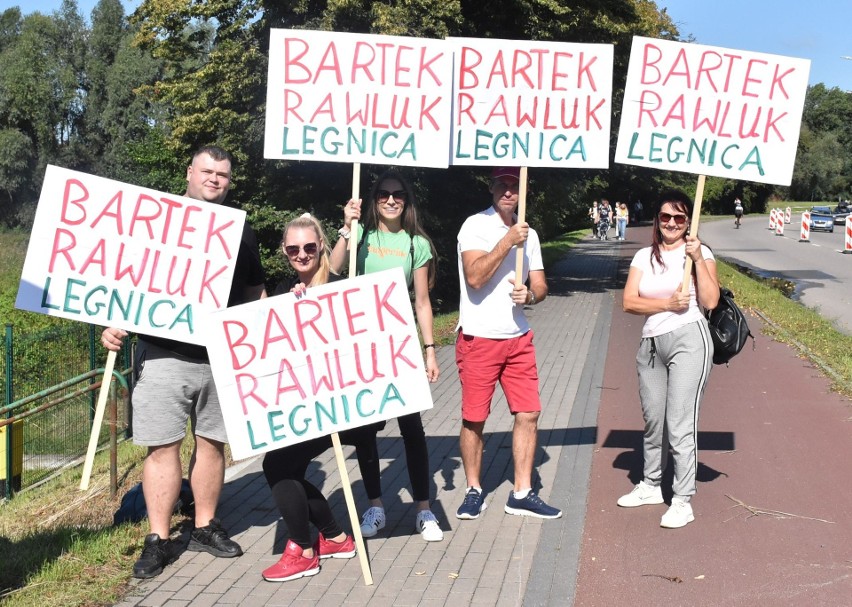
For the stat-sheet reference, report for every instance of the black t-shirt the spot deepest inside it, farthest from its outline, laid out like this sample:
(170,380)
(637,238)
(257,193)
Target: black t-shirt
(286,285)
(248,272)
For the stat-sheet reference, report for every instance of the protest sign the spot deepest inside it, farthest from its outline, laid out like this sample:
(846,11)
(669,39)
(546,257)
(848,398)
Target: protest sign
(712,111)
(118,255)
(531,103)
(344,97)
(341,355)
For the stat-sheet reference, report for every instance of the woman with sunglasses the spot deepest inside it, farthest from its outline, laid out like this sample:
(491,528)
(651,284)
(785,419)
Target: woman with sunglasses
(299,501)
(675,354)
(390,235)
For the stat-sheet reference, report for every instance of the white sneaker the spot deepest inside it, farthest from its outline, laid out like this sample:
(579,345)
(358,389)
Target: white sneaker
(678,515)
(641,495)
(373,521)
(428,527)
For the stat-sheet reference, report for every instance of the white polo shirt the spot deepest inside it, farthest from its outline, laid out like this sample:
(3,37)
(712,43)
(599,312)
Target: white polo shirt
(489,311)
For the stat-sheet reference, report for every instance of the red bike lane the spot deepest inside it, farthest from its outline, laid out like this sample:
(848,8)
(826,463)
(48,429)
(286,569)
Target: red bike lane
(774,502)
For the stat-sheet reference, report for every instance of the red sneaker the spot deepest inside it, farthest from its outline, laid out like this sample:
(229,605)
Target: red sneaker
(292,565)
(336,550)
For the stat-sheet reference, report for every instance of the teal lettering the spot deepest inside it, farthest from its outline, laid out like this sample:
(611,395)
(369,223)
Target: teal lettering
(70,296)
(753,158)
(630,153)
(358,407)
(98,306)
(292,421)
(284,149)
(153,309)
(391,394)
(184,316)
(44,293)
(274,429)
(579,147)
(254,445)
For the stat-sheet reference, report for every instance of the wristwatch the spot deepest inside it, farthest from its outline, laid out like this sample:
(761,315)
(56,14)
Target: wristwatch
(532,297)
(344,232)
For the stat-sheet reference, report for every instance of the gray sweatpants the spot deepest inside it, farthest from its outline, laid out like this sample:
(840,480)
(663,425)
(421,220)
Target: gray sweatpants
(673,371)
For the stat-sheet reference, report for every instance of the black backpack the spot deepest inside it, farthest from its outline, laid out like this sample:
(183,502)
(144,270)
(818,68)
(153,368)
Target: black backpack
(728,328)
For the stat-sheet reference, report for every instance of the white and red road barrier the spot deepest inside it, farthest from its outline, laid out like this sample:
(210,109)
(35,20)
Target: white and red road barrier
(779,223)
(788,215)
(847,245)
(805,234)
(772,219)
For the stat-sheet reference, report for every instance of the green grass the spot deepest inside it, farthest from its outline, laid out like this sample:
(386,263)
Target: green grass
(795,324)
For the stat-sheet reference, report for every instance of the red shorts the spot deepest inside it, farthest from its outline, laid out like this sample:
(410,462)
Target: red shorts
(482,362)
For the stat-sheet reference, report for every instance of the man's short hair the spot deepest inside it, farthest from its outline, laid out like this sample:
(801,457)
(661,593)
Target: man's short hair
(215,152)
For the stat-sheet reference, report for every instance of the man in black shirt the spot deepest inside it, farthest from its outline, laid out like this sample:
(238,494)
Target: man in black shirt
(174,384)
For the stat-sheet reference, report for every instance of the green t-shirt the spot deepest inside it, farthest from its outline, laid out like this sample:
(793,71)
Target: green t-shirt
(386,250)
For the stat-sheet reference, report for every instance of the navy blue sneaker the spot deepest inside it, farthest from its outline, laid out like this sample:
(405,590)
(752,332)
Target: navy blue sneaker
(474,503)
(531,505)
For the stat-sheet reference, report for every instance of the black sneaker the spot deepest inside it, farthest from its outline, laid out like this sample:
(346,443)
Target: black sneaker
(214,539)
(156,554)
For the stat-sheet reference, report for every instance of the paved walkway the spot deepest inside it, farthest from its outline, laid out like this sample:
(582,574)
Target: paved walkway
(500,559)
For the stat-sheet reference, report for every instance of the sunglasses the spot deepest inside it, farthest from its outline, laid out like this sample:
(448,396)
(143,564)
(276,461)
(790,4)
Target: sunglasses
(666,217)
(310,248)
(398,195)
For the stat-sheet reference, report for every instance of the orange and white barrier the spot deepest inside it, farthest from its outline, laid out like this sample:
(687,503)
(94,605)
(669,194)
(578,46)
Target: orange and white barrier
(788,215)
(772,219)
(805,235)
(779,223)
(847,246)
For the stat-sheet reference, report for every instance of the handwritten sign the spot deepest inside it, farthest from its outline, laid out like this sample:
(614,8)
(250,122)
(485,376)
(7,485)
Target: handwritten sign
(712,111)
(342,355)
(343,97)
(113,254)
(525,103)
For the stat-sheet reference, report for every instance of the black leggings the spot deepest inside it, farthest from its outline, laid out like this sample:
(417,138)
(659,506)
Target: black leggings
(416,458)
(298,500)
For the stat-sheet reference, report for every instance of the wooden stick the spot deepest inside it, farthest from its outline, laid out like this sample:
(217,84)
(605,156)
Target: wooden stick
(353,513)
(522,217)
(693,229)
(353,233)
(96,424)
(335,437)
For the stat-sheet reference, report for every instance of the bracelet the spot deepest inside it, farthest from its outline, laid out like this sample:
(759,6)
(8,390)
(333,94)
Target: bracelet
(532,297)
(425,346)
(344,232)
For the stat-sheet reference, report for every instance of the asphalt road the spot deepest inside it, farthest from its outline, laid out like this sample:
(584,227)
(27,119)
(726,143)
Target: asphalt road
(819,269)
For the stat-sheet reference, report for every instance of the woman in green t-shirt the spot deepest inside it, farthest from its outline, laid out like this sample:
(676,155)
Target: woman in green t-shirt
(390,235)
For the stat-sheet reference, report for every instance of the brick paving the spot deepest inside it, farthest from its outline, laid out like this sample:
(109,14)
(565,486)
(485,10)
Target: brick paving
(497,559)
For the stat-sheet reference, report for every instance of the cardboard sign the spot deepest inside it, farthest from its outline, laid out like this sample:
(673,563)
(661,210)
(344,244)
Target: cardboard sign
(712,111)
(523,103)
(113,254)
(341,355)
(344,97)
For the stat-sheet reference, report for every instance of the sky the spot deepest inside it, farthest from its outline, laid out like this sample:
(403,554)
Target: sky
(819,30)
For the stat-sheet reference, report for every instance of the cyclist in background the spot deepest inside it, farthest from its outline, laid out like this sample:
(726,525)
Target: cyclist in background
(738,212)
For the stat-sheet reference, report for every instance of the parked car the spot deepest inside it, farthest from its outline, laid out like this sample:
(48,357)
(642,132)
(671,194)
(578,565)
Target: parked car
(841,212)
(822,219)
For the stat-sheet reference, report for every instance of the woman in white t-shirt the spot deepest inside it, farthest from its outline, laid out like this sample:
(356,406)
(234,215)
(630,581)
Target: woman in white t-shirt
(675,354)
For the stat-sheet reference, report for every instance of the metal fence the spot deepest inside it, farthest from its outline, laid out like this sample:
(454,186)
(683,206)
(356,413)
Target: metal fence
(50,382)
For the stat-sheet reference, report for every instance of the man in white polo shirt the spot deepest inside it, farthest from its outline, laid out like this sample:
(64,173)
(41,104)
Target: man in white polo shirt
(495,341)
